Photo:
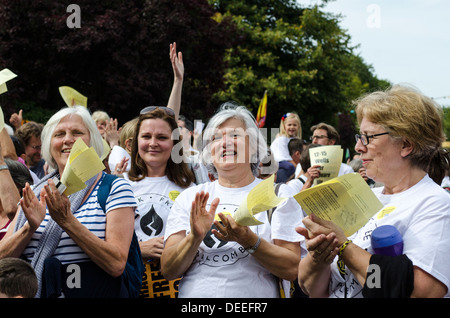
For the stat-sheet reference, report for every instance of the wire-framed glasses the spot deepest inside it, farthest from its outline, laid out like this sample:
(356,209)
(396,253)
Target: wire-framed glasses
(365,139)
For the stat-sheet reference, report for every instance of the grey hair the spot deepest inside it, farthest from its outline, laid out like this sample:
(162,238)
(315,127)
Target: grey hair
(50,126)
(258,144)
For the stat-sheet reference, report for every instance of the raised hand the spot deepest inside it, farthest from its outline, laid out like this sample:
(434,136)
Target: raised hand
(33,209)
(177,61)
(202,219)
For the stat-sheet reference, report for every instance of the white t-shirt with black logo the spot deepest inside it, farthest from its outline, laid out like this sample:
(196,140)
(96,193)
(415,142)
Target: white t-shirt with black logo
(225,269)
(422,216)
(154,196)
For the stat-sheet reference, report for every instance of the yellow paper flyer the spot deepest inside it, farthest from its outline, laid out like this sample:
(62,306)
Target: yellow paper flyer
(346,200)
(83,164)
(5,75)
(2,119)
(72,97)
(329,158)
(261,198)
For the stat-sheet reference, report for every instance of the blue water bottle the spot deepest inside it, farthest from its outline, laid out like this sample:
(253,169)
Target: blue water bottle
(386,240)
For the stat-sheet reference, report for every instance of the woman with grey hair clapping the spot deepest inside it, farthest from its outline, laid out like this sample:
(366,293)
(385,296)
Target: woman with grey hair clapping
(215,256)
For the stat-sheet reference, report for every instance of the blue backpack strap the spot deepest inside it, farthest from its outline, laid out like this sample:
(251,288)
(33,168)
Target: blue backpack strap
(134,269)
(104,189)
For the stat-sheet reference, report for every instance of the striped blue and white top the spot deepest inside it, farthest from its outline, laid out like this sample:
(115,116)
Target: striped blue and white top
(91,215)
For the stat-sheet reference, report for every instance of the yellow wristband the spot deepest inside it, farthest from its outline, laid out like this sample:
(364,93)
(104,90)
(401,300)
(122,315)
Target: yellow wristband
(340,262)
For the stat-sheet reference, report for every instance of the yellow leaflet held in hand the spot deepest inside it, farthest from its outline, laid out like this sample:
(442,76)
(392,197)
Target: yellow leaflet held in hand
(106,150)
(260,198)
(72,97)
(347,201)
(329,158)
(2,119)
(83,164)
(5,75)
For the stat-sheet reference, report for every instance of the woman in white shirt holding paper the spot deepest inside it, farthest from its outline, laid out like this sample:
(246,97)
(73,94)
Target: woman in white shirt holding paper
(214,255)
(400,144)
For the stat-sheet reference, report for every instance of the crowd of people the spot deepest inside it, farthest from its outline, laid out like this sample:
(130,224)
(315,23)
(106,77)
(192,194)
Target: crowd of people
(178,200)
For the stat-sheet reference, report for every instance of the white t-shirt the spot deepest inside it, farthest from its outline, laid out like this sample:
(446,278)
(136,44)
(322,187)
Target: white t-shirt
(279,148)
(422,216)
(116,155)
(225,269)
(445,182)
(155,197)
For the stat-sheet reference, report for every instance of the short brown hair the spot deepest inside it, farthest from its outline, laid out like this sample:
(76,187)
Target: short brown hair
(28,130)
(331,131)
(17,278)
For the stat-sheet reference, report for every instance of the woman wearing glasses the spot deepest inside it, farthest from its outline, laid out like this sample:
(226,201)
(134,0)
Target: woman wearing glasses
(214,255)
(156,177)
(400,144)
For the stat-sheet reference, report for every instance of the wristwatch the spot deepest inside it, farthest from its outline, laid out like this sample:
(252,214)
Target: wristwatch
(3,167)
(252,249)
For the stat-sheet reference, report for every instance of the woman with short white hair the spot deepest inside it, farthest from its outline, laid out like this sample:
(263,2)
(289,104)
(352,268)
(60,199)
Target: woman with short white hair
(53,231)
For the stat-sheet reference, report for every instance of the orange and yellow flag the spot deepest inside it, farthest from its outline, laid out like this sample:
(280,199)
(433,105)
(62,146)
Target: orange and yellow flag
(262,111)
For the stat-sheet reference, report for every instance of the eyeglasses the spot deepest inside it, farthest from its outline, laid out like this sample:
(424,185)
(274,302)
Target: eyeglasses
(167,110)
(365,138)
(317,137)
(36,147)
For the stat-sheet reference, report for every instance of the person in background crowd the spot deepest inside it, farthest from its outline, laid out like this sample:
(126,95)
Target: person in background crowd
(17,279)
(290,127)
(101,119)
(307,174)
(30,134)
(286,169)
(327,135)
(187,132)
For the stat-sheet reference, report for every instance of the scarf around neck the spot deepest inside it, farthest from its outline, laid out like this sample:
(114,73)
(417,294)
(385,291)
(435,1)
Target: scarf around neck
(51,234)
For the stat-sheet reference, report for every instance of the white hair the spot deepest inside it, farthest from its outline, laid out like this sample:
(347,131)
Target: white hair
(258,144)
(50,126)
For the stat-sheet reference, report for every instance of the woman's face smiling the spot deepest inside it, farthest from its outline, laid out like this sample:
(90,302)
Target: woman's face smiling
(155,143)
(382,157)
(69,129)
(291,126)
(230,145)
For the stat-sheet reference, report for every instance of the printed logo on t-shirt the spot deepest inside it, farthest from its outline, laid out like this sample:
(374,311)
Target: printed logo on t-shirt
(173,194)
(153,210)
(215,252)
(385,211)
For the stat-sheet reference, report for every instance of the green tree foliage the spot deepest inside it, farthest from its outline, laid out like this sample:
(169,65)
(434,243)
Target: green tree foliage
(118,58)
(447,122)
(232,49)
(301,56)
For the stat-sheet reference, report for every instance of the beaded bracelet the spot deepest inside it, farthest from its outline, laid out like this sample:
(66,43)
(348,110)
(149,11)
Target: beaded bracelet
(340,262)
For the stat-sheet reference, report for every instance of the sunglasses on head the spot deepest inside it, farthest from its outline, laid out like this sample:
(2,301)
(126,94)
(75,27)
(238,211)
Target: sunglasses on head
(149,109)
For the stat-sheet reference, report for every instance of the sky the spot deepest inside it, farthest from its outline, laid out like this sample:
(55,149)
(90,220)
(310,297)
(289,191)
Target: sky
(406,41)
